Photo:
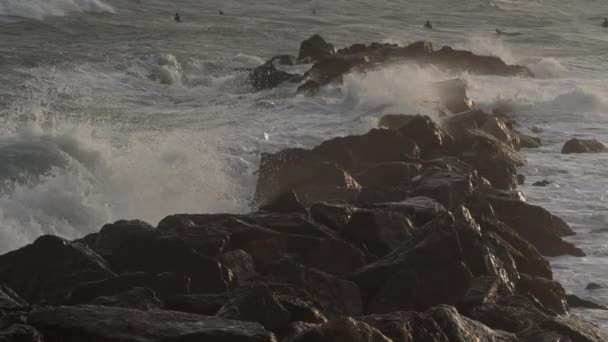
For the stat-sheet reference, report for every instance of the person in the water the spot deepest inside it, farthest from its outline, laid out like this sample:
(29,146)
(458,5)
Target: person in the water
(221,12)
(314,11)
(428,25)
(177,18)
(605,23)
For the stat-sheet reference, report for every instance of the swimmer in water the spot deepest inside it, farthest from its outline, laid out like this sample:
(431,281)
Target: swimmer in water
(428,25)
(605,23)
(221,12)
(177,18)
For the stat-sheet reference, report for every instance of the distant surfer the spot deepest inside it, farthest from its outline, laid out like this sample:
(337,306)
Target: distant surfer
(428,25)
(502,33)
(221,12)
(605,23)
(314,11)
(177,18)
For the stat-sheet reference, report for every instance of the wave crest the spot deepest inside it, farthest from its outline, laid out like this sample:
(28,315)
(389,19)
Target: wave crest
(39,9)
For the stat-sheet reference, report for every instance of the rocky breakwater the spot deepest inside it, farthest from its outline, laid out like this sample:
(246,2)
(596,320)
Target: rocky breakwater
(415,233)
(328,65)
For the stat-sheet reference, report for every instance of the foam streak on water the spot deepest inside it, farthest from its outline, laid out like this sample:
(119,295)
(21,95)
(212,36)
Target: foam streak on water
(110,110)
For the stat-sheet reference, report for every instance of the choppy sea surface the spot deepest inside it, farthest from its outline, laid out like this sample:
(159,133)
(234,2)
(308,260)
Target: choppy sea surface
(110,110)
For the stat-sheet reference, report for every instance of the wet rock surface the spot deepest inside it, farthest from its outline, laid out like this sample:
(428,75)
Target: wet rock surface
(583,146)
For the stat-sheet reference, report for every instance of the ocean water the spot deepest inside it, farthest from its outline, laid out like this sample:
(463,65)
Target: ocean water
(110,110)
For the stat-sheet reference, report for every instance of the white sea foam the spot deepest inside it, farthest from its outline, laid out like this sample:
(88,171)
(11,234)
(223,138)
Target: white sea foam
(39,9)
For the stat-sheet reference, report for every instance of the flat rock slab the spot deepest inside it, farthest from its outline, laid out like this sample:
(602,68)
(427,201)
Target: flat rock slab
(105,324)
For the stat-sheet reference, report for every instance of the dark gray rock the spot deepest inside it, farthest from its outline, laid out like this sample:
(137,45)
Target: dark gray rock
(240,263)
(164,285)
(308,174)
(462,329)
(427,271)
(583,146)
(343,329)
(550,293)
(107,324)
(536,225)
(20,333)
(406,326)
(266,76)
(336,297)
(46,270)
(379,230)
(260,304)
(200,304)
(139,298)
(577,302)
(285,203)
(332,215)
(315,48)
(9,300)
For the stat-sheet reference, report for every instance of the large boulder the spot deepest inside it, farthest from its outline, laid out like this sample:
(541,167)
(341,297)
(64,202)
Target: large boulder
(343,329)
(20,333)
(46,270)
(497,127)
(379,230)
(306,173)
(163,285)
(406,326)
(429,137)
(461,60)
(139,298)
(389,175)
(332,215)
(356,152)
(527,258)
(274,311)
(548,292)
(462,329)
(336,297)
(200,304)
(427,271)
(108,324)
(492,158)
(449,182)
(536,225)
(315,48)
(419,209)
(9,300)
(583,146)
(267,76)
(207,274)
(114,236)
(457,125)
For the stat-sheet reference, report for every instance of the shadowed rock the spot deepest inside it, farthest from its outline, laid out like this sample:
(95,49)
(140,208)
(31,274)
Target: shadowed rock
(266,76)
(99,323)
(576,302)
(583,146)
(201,304)
(406,326)
(462,329)
(315,48)
(139,298)
(163,285)
(343,329)
(46,270)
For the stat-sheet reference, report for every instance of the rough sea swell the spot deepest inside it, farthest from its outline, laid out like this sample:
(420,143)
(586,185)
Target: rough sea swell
(109,110)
